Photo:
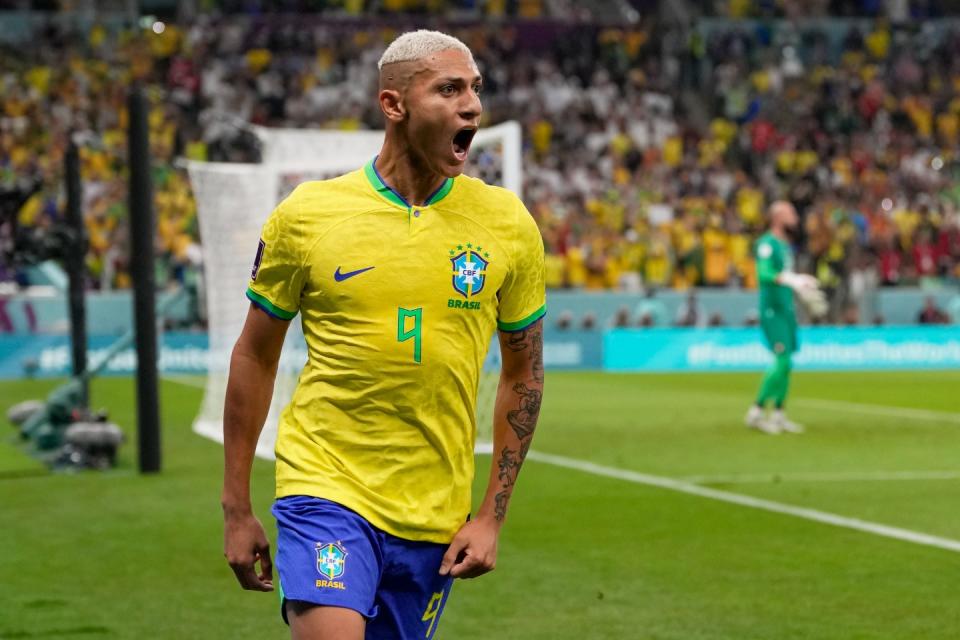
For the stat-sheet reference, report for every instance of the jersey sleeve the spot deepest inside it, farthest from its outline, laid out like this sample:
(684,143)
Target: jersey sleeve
(523,298)
(277,278)
(768,266)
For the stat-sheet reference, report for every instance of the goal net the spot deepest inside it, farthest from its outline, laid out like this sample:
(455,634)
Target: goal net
(234,200)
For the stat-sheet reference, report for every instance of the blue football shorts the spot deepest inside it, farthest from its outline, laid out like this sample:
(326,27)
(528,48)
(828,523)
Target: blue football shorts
(330,555)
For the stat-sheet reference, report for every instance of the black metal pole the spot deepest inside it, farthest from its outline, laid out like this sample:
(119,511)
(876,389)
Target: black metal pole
(74,262)
(142,226)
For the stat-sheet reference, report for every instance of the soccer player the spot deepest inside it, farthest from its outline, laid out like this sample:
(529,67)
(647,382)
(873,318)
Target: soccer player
(401,272)
(778,317)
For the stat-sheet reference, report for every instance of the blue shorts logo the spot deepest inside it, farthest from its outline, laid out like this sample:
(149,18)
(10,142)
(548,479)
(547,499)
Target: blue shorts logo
(331,559)
(469,269)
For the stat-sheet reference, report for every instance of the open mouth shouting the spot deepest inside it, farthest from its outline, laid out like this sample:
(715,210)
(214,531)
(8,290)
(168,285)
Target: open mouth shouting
(461,142)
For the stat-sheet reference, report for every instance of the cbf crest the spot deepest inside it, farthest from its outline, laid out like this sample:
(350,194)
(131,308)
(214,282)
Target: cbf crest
(331,559)
(469,269)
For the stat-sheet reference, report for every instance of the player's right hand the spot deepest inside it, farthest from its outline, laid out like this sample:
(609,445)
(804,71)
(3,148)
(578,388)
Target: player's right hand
(244,543)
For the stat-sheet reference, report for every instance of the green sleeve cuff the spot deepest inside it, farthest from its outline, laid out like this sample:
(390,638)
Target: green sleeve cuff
(269,307)
(520,325)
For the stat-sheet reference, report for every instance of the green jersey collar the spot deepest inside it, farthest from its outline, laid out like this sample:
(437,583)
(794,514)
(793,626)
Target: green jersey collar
(381,187)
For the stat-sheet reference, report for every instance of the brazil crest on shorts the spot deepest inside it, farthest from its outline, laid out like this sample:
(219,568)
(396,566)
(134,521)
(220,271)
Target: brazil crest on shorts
(331,559)
(469,270)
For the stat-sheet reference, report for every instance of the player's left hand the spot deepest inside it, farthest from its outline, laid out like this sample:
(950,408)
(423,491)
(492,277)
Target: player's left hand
(473,551)
(814,301)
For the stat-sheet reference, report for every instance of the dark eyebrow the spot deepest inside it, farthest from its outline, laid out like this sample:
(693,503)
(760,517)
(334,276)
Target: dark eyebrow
(459,81)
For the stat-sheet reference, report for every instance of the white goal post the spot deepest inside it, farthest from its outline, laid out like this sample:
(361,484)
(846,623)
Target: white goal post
(234,200)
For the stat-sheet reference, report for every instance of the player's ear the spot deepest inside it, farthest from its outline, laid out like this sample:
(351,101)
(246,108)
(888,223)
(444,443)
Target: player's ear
(391,103)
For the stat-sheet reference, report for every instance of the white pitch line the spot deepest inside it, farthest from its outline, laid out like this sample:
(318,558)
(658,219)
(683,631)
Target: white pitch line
(747,501)
(196,383)
(826,476)
(886,411)
(883,410)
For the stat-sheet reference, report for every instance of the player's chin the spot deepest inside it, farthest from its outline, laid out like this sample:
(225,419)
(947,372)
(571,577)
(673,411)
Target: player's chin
(453,163)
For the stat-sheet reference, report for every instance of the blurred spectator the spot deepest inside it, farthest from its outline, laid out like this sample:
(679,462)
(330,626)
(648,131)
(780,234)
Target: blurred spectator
(650,311)
(931,313)
(851,315)
(589,321)
(690,313)
(621,319)
(645,320)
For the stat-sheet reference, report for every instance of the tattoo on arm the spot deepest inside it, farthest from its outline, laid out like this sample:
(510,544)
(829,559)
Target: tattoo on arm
(500,505)
(523,419)
(536,351)
(509,463)
(530,339)
(518,340)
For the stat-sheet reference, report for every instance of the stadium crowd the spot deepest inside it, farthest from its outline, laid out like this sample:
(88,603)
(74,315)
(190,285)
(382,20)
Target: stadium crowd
(896,10)
(650,156)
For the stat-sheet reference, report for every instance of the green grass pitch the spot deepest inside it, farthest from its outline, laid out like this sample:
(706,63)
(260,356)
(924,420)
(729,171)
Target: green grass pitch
(118,555)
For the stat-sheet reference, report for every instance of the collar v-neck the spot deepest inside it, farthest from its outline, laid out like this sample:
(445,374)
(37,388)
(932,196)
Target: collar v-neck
(387,192)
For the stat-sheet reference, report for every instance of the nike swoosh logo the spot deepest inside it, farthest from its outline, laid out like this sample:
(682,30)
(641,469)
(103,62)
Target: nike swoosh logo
(340,277)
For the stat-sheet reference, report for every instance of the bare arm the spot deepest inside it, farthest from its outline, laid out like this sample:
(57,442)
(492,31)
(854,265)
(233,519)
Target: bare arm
(474,549)
(515,414)
(253,369)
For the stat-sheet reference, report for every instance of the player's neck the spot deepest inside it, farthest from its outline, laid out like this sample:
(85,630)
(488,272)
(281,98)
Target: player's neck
(402,174)
(779,232)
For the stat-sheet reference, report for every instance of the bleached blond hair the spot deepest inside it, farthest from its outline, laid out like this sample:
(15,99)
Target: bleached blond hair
(416,45)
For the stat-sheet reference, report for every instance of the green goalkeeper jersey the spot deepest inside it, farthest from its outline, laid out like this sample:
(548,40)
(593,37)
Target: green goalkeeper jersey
(773,257)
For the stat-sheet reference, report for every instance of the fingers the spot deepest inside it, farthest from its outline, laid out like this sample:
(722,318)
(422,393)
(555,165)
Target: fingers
(245,544)
(266,565)
(462,561)
(247,575)
(452,554)
(472,566)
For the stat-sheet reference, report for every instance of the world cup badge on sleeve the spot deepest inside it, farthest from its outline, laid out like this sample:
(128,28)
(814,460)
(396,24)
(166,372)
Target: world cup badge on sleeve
(258,260)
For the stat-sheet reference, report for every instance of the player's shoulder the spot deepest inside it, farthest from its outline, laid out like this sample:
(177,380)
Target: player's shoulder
(765,239)
(488,195)
(767,245)
(766,236)
(342,187)
(320,201)
(499,208)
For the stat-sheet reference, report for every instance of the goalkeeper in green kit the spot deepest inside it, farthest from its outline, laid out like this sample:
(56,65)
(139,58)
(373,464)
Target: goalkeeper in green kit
(778,317)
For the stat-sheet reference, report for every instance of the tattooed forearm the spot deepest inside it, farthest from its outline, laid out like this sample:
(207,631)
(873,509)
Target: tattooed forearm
(500,505)
(524,419)
(509,467)
(510,463)
(523,375)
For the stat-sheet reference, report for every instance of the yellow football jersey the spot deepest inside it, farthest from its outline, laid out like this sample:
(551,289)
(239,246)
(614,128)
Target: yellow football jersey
(398,306)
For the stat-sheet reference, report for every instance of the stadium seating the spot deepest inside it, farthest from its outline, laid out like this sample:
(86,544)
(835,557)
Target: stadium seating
(648,163)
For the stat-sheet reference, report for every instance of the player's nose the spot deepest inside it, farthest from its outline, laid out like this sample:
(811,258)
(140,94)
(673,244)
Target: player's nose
(471,108)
